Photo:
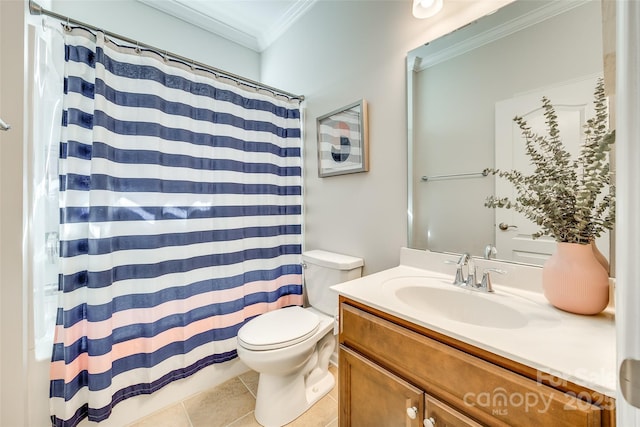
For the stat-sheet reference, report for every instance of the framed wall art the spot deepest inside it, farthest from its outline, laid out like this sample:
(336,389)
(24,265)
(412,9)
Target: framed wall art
(343,141)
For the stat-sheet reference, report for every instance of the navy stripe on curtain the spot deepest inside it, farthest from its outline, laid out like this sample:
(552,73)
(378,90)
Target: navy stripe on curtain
(180,212)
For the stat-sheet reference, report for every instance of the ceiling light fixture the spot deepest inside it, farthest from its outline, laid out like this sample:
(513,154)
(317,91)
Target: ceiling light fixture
(426,8)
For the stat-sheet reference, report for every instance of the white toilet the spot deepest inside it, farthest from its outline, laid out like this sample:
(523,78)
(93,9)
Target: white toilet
(290,347)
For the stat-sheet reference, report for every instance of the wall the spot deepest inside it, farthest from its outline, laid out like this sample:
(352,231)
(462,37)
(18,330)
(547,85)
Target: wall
(337,53)
(13,367)
(140,22)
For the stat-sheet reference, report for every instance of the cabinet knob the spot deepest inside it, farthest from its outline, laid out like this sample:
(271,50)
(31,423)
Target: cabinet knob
(412,412)
(429,422)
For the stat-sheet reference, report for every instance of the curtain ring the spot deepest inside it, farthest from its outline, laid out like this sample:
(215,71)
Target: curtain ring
(67,26)
(138,50)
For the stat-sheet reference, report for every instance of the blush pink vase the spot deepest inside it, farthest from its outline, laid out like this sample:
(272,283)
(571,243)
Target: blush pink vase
(600,257)
(573,280)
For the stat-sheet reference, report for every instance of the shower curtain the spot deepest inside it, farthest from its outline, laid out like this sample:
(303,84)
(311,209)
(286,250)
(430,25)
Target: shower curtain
(180,211)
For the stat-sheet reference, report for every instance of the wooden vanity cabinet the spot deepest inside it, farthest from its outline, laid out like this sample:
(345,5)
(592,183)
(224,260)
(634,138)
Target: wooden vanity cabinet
(374,396)
(395,373)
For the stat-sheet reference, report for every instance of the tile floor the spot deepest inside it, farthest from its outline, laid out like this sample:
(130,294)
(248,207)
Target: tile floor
(231,404)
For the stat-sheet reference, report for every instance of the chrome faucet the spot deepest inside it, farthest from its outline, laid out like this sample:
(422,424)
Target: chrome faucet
(464,260)
(490,251)
(471,274)
(471,281)
(485,285)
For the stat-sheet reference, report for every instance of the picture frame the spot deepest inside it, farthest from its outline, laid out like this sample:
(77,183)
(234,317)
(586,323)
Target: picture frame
(343,140)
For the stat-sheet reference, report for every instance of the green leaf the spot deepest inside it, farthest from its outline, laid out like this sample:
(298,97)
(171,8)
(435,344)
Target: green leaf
(570,200)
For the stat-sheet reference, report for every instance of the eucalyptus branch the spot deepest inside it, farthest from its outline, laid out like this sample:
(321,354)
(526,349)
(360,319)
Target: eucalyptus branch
(572,200)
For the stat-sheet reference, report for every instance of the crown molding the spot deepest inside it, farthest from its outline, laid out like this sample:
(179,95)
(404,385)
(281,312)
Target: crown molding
(296,10)
(492,33)
(220,26)
(193,16)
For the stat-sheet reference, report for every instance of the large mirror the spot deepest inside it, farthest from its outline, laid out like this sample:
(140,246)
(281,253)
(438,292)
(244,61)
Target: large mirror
(464,90)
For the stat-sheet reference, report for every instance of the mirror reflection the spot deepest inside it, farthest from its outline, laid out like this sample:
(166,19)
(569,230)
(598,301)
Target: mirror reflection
(464,90)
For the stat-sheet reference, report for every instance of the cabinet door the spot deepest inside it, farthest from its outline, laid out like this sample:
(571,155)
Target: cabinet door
(443,415)
(373,397)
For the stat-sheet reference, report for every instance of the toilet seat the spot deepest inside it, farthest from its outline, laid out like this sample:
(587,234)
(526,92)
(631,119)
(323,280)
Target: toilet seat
(279,328)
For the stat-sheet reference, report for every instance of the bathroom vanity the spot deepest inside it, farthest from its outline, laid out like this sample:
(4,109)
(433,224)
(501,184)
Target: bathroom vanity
(415,350)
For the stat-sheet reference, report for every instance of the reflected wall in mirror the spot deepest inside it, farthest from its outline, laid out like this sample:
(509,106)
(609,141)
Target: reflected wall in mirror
(527,49)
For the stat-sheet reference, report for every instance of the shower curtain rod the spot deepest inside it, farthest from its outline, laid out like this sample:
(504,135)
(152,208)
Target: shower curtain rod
(36,9)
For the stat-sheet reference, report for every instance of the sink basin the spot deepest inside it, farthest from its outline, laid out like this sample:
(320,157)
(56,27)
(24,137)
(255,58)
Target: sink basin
(462,306)
(438,295)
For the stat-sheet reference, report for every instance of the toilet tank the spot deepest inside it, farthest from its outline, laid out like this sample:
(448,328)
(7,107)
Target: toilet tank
(324,269)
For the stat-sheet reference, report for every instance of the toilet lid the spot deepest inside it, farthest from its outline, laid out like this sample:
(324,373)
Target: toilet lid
(278,328)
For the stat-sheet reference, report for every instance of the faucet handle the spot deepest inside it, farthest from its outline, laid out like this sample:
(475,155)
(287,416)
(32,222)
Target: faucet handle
(471,277)
(485,285)
(459,280)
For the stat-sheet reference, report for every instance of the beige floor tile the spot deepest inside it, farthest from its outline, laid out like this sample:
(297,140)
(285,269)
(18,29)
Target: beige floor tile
(250,379)
(248,420)
(221,405)
(319,415)
(173,416)
(334,392)
(231,405)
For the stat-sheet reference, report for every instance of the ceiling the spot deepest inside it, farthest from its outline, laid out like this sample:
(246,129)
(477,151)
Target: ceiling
(254,24)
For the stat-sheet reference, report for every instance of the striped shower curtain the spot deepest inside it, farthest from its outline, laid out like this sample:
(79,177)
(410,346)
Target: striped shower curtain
(180,210)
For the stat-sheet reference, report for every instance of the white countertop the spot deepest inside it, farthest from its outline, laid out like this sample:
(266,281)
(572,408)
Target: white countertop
(579,349)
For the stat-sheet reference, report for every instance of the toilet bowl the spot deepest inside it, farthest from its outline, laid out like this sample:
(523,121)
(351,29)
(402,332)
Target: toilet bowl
(290,347)
(292,375)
